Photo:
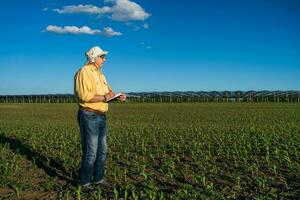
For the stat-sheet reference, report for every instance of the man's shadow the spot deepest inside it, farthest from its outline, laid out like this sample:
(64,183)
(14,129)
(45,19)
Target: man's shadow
(53,168)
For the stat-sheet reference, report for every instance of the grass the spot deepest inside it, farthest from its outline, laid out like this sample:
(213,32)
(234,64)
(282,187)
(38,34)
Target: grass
(156,151)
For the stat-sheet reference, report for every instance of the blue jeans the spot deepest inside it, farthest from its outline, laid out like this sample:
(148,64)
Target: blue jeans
(93,134)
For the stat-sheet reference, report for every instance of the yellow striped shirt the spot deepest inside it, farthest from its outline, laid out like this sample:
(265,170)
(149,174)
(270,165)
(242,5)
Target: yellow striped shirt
(89,81)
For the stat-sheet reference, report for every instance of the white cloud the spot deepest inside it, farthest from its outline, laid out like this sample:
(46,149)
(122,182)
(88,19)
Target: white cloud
(121,10)
(146,26)
(133,26)
(72,30)
(146,46)
(83,9)
(45,9)
(136,27)
(107,31)
(125,10)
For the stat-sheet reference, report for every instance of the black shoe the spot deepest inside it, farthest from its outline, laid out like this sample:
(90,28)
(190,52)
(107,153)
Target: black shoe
(104,182)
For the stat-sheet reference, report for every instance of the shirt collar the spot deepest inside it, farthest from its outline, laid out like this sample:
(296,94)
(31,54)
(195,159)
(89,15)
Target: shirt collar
(93,67)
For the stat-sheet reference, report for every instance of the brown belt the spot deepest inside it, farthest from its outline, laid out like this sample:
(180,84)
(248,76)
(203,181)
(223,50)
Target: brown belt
(95,111)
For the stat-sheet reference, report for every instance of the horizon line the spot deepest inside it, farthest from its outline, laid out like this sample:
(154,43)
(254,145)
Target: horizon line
(178,91)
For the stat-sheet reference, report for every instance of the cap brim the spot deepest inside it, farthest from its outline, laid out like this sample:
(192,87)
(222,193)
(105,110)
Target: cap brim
(105,52)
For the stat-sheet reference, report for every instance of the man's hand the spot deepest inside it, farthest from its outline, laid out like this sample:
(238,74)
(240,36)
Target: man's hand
(122,97)
(109,96)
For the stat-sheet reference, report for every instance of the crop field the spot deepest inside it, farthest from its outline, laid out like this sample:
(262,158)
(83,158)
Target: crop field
(156,151)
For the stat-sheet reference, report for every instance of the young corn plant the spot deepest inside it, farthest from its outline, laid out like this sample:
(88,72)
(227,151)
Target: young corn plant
(116,194)
(134,195)
(78,192)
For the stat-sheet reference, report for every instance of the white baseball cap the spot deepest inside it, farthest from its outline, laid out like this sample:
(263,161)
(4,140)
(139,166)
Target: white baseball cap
(94,53)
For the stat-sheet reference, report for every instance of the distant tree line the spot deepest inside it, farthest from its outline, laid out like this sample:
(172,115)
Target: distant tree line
(55,98)
(170,97)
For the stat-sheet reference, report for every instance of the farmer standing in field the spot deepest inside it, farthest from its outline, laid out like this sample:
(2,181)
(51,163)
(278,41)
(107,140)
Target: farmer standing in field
(92,93)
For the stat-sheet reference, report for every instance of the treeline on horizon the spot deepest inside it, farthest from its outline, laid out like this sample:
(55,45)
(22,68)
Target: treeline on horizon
(170,97)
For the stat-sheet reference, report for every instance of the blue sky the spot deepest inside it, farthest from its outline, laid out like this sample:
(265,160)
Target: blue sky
(153,45)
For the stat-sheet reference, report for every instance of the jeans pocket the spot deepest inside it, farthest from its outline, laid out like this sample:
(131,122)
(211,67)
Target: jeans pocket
(90,115)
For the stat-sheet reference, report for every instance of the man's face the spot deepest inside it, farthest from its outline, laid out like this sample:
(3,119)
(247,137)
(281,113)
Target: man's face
(100,61)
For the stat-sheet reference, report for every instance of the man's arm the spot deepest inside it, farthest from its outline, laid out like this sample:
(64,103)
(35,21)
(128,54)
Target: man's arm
(97,98)
(83,86)
(101,98)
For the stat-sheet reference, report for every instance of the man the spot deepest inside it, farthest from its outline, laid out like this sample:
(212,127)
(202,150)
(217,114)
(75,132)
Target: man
(93,93)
